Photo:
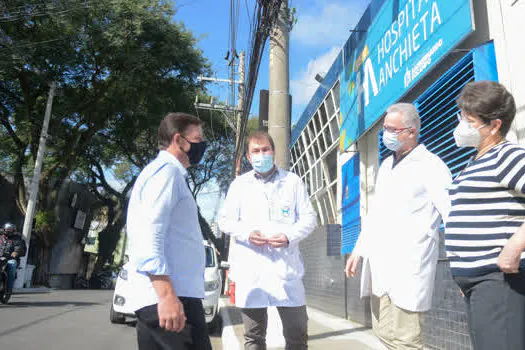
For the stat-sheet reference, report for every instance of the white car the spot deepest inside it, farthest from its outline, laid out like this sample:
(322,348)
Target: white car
(212,284)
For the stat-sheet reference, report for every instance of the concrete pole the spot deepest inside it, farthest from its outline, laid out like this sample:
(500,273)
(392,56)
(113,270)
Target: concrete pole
(240,107)
(33,193)
(279,100)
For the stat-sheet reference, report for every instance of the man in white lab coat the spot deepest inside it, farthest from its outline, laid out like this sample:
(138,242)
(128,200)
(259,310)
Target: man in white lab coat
(268,212)
(400,236)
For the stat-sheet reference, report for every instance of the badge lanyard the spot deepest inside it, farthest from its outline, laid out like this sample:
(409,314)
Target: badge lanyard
(271,200)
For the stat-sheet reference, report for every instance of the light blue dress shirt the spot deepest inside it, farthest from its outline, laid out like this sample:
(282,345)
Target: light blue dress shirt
(164,233)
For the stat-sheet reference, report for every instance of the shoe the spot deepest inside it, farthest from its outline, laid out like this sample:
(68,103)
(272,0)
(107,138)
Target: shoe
(5,298)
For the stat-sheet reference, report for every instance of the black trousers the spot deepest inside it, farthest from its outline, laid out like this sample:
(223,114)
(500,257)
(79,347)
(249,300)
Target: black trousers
(194,336)
(495,310)
(295,327)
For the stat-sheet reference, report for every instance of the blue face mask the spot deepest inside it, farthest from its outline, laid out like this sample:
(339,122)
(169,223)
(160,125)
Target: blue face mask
(262,163)
(391,142)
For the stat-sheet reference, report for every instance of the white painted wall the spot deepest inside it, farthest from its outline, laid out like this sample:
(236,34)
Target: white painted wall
(506,20)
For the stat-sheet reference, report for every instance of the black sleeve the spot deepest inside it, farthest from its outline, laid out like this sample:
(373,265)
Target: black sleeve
(20,247)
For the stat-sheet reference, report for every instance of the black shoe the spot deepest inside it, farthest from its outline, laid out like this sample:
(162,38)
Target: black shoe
(5,298)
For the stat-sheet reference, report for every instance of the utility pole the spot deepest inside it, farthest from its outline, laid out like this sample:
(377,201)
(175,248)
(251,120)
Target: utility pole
(240,107)
(279,100)
(33,193)
(228,110)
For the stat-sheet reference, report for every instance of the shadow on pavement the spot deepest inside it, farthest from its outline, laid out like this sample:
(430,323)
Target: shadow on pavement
(234,314)
(15,304)
(336,333)
(131,323)
(40,320)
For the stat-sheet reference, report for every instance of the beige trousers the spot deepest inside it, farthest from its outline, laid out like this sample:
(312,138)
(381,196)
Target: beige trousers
(397,328)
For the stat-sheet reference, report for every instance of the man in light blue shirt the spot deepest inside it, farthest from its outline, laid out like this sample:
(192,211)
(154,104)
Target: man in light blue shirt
(166,251)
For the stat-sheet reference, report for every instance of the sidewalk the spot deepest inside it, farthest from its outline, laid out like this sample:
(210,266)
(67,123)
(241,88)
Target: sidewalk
(32,290)
(325,331)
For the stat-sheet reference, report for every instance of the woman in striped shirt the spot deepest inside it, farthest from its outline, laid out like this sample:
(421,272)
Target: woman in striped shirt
(485,231)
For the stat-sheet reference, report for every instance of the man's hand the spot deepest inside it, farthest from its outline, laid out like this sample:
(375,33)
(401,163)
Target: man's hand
(351,265)
(257,238)
(170,309)
(171,314)
(14,255)
(278,241)
(509,258)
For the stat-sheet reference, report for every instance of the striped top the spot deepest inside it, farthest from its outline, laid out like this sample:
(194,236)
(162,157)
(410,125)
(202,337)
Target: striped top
(488,207)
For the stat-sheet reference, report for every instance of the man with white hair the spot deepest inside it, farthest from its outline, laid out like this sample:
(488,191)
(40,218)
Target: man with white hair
(400,236)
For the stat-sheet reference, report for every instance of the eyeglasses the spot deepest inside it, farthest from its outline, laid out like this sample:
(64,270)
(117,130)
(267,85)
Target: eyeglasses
(460,117)
(396,131)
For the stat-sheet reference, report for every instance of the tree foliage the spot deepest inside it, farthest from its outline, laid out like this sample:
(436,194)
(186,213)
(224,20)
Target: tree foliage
(120,66)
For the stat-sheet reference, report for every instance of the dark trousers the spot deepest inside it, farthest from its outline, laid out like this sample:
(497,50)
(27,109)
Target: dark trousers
(496,310)
(193,337)
(295,327)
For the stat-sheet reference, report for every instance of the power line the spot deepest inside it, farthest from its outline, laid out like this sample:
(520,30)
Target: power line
(266,16)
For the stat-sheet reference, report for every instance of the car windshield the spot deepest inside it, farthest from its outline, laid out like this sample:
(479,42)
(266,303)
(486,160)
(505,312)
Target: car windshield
(210,257)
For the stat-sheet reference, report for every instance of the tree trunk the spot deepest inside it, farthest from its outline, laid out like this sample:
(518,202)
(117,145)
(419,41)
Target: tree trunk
(109,237)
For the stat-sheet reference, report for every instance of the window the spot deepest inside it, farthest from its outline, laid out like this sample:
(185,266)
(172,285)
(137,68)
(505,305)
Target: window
(330,105)
(313,174)
(320,175)
(296,152)
(299,145)
(324,117)
(316,153)
(307,182)
(331,165)
(318,123)
(210,257)
(336,95)
(323,112)
(334,129)
(304,163)
(311,131)
(302,166)
(321,143)
(328,136)
(293,158)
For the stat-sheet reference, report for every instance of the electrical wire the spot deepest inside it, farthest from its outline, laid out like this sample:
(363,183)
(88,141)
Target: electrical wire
(267,12)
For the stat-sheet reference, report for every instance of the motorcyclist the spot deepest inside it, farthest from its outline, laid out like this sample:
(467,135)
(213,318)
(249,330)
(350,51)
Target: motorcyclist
(12,247)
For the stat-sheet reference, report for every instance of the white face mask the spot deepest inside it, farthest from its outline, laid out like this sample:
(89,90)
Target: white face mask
(391,141)
(466,135)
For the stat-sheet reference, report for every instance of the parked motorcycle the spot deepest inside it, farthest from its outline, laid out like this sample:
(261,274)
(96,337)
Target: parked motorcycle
(4,296)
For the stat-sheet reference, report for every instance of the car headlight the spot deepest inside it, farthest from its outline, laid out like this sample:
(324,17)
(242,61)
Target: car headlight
(123,274)
(211,285)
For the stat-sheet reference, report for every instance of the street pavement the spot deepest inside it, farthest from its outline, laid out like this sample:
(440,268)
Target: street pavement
(79,320)
(325,332)
(65,320)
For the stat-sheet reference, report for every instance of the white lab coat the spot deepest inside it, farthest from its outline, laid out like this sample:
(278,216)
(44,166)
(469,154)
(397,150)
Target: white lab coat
(399,241)
(266,276)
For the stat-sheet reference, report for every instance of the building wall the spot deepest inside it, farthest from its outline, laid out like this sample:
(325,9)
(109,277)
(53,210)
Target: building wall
(506,25)
(324,278)
(445,325)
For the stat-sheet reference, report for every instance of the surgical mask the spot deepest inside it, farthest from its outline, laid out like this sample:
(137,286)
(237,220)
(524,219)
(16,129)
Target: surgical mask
(196,151)
(262,163)
(391,142)
(466,135)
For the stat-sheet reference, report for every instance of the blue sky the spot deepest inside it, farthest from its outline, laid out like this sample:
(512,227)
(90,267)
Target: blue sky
(321,30)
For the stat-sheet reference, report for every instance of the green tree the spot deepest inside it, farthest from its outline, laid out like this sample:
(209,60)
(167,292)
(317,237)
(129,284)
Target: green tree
(120,66)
